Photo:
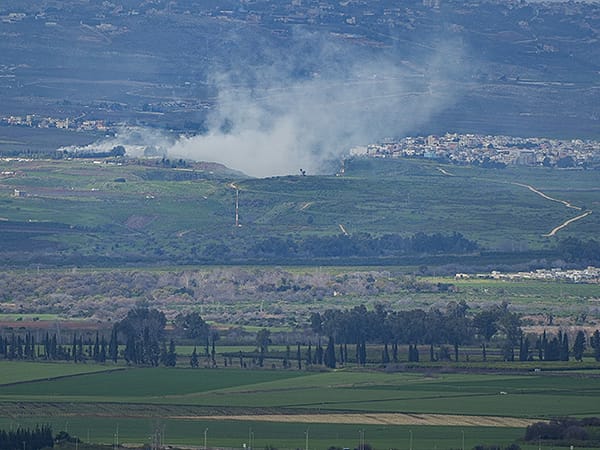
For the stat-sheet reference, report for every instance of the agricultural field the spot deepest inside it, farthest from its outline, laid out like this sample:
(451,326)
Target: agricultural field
(277,407)
(19,373)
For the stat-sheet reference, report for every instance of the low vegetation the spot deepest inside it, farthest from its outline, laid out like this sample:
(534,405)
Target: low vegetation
(396,212)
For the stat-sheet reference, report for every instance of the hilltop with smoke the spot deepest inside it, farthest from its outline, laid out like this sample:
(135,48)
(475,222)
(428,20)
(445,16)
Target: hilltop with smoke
(271,87)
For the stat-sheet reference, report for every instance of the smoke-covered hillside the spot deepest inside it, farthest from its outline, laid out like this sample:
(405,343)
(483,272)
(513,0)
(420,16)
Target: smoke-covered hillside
(270,86)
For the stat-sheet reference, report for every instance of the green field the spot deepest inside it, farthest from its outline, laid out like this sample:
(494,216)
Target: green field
(86,213)
(138,401)
(234,434)
(11,372)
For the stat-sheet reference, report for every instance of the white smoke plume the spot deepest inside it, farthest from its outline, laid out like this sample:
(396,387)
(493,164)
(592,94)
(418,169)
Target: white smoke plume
(279,124)
(307,107)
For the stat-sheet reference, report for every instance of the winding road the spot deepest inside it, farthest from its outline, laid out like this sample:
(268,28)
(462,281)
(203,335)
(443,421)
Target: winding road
(556,229)
(566,223)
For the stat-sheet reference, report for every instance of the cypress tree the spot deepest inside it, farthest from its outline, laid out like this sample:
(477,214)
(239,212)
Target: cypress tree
(53,347)
(213,352)
(12,353)
(80,348)
(544,347)
(113,345)
(172,354)
(194,359)
(19,347)
(27,343)
(329,357)
(102,357)
(595,344)
(363,353)
(579,346)
(74,348)
(565,350)
(288,355)
(386,355)
(96,349)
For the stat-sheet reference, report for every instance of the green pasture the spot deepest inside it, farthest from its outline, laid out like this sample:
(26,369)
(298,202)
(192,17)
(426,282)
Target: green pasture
(141,401)
(535,395)
(16,372)
(145,384)
(236,434)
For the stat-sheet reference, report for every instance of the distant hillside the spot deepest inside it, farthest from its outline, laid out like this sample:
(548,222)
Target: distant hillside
(98,213)
(498,67)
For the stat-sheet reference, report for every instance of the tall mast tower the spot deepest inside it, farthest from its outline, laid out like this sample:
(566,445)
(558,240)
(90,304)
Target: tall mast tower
(237,207)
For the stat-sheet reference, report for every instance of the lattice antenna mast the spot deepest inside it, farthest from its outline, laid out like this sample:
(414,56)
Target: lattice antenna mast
(237,207)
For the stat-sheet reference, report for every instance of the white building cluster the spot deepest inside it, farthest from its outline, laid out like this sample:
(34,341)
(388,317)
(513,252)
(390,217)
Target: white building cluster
(488,150)
(589,275)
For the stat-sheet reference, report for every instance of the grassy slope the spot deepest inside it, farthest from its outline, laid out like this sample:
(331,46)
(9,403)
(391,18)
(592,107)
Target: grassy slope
(374,197)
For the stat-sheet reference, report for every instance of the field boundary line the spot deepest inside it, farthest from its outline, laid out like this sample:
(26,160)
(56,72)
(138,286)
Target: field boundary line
(60,377)
(379,419)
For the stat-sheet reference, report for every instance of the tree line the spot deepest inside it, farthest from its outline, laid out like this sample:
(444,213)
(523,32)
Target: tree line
(137,339)
(340,337)
(572,249)
(566,431)
(31,439)
(439,329)
(362,245)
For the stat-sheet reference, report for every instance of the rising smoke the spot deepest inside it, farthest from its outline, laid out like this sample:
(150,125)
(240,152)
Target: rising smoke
(305,106)
(269,121)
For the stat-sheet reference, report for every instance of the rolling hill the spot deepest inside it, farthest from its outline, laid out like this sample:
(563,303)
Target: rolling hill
(129,211)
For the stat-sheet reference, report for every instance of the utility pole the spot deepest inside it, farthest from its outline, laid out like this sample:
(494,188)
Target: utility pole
(205,431)
(410,444)
(306,433)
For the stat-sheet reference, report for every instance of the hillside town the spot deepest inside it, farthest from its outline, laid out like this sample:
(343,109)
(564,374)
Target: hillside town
(467,149)
(588,275)
(36,121)
(489,151)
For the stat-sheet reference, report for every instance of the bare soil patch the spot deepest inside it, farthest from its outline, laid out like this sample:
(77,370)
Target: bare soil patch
(380,419)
